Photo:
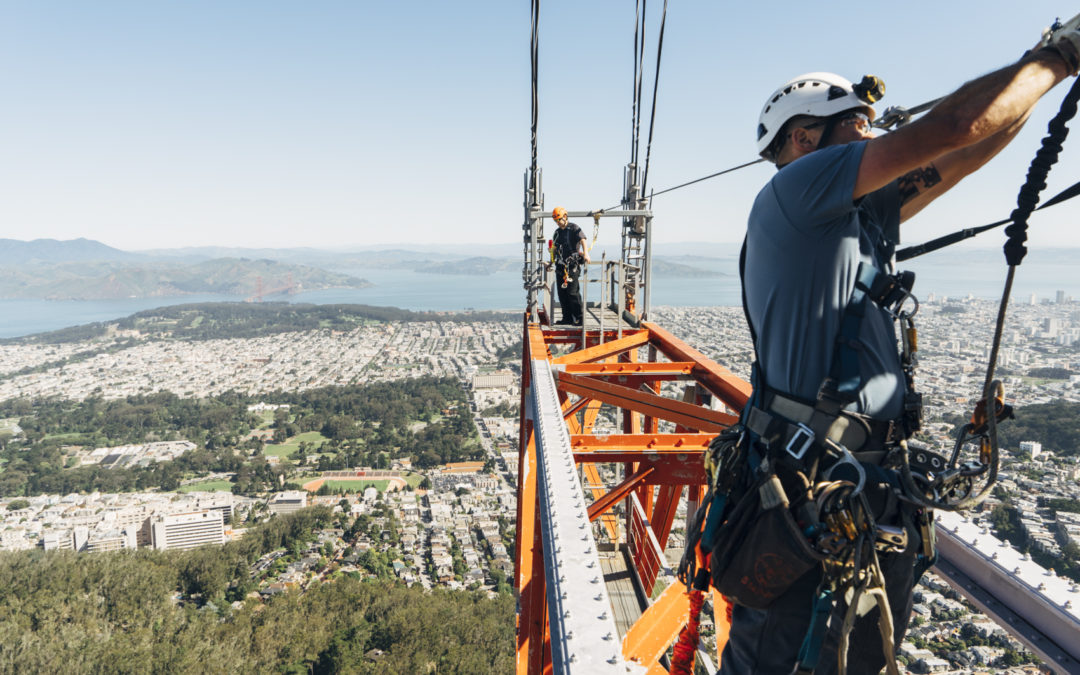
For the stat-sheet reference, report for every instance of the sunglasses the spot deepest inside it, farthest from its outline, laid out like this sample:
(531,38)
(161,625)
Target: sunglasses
(855,118)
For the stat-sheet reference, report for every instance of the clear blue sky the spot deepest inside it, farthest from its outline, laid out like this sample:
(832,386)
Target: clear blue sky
(330,124)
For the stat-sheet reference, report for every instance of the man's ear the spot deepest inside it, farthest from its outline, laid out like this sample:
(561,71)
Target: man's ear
(803,140)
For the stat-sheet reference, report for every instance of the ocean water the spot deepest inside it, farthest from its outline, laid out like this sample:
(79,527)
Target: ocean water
(939,274)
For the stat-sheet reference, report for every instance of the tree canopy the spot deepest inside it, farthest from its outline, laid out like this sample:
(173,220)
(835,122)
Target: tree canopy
(117,612)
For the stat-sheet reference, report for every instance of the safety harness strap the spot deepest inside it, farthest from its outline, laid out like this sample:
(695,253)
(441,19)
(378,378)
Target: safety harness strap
(889,292)
(810,650)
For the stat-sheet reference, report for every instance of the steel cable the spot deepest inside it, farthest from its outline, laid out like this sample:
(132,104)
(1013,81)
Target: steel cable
(652,114)
(639,59)
(534,54)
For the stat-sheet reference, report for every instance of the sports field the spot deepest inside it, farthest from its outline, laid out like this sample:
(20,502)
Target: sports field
(358,485)
(207,486)
(290,446)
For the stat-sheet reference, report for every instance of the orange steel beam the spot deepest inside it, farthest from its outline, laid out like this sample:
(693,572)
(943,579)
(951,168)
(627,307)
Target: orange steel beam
(636,368)
(642,443)
(731,389)
(648,639)
(605,349)
(671,469)
(631,421)
(609,373)
(601,506)
(575,407)
(649,425)
(570,408)
(537,347)
(667,503)
(591,413)
(687,414)
(592,475)
(650,383)
(643,550)
(529,575)
(529,561)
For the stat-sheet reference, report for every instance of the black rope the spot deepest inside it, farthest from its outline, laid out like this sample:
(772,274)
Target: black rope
(1046,157)
(960,235)
(1014,248)
(639,59)
(652,115)
(534,54)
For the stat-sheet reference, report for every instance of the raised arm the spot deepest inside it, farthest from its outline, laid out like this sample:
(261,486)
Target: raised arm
(960,134)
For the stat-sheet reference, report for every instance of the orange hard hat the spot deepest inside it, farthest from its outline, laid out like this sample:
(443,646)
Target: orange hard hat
(558,212)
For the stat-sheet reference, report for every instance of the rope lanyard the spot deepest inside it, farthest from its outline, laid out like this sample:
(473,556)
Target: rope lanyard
(1014,247)
(992,403)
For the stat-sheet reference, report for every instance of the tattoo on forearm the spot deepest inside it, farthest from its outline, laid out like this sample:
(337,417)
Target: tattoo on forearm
(913,182)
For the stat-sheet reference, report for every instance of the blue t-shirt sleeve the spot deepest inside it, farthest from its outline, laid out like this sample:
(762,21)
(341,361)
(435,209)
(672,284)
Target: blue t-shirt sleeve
(816,189)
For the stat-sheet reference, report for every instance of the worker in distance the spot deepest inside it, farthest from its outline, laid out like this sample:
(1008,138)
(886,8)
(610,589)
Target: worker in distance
(569,253)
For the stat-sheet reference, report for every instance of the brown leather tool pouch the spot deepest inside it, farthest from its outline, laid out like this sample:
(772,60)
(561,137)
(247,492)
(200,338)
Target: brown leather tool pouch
(761,551)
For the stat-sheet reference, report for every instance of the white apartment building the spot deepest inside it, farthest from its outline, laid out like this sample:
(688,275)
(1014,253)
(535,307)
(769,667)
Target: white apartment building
(288,501)
(111,540)
(58,540)
(1034,447)
(188,530)
(497,380)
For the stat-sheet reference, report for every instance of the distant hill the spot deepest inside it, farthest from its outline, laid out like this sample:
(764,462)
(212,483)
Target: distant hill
(469,266)
(703,267)
(53,251)
(225,276)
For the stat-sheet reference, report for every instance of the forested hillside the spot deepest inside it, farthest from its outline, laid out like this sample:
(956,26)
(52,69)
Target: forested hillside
(172,612)
(363,425)
(1056,425)
(218,320)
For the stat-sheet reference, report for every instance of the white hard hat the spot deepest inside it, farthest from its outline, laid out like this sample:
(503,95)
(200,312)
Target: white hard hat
(816,94)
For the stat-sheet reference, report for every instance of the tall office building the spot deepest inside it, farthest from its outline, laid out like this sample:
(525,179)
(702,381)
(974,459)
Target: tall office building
(188,530)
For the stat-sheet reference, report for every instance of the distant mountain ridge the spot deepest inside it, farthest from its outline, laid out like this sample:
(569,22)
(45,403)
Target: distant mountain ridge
(50,251)
(90,270)
(114,280)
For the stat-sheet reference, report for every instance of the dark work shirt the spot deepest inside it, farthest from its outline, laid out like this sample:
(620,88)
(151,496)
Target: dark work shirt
(566,241)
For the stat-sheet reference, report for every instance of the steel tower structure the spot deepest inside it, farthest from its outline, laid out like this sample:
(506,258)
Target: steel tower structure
(615,418)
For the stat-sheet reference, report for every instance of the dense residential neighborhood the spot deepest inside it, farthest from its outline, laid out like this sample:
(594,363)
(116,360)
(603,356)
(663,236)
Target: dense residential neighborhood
(453,525)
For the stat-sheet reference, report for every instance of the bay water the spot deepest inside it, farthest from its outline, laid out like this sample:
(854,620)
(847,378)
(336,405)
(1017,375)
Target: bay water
(940,275)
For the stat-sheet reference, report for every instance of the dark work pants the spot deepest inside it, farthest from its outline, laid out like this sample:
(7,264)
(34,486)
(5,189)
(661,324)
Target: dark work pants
(766,642)
(569,297)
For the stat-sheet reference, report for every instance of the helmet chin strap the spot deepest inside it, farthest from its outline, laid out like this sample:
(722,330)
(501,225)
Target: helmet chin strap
(826,133)
(823,141)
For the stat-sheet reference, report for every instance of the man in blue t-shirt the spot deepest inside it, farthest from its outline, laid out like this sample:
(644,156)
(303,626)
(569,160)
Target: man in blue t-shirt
(837,201)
